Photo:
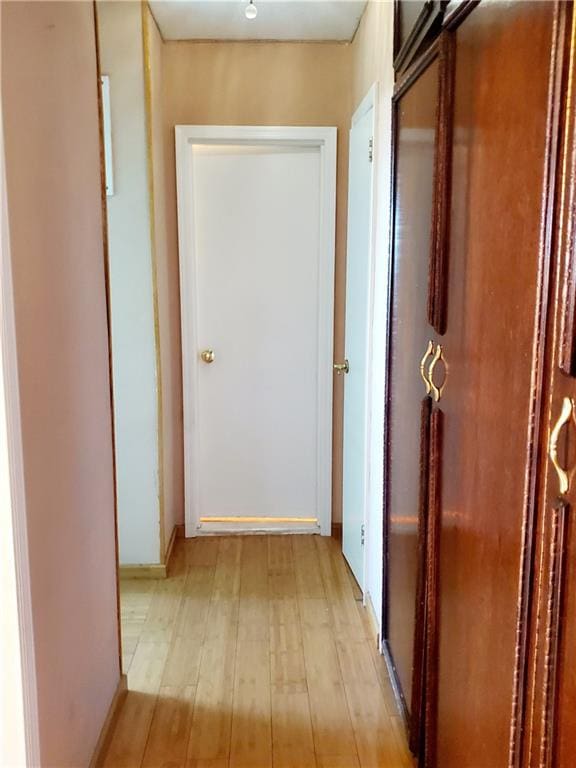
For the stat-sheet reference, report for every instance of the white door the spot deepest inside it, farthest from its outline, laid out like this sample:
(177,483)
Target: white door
(259,337)
(358,313)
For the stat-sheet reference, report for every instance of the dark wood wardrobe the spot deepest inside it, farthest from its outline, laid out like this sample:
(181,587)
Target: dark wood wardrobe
(480,472)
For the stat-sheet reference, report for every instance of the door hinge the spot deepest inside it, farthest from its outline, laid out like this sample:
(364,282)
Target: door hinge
(370,149)
(362,534)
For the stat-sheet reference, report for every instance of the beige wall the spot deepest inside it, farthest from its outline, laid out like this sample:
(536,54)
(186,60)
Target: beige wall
(262,84)
(50,113)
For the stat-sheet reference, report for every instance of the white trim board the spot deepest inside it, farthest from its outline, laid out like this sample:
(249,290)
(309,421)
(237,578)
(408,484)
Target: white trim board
(186,136)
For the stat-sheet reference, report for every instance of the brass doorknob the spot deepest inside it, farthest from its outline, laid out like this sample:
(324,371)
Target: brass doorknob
(207,355)
(341,368)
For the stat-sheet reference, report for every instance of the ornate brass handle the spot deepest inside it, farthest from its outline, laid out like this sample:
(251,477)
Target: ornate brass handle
(425,379)
(207,355)
(341,368)
(438,355)
(564,475)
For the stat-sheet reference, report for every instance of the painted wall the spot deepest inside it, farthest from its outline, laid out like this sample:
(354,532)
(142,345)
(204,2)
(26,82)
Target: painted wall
(168,294)
(262,84)
(131,287)
(372,62)
(50,114)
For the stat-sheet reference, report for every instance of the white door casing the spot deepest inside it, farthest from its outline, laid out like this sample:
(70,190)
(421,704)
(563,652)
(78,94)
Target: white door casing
(359,313)
(256,222)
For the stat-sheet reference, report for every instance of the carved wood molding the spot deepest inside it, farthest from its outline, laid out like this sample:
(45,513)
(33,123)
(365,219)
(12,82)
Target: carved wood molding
(432,592)
(552,632)
(418,682)
(440,229)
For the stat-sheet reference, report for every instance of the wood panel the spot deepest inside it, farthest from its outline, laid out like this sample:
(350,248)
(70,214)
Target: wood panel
(500,143)
(416,111)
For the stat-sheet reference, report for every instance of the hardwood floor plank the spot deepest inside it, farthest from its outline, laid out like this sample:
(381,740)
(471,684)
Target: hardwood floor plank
(183,663)
(280,554)
(202,550)
(253,615)
(308,576)
(356,663)
(147,667)
(170,728)
(163,609)
(375,739)
(132,727)
(314,613)
(254,567)
(346,620)
(130,734)
(287,668)
(227,576)
(251,743)
(212,718)
(292,742)
(331,725)
(339,761)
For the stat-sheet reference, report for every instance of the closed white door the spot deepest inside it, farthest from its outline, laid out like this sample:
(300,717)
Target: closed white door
(358,276)
(259,420)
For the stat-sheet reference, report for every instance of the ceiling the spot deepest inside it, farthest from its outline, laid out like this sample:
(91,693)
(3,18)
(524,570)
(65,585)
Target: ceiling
(276,20)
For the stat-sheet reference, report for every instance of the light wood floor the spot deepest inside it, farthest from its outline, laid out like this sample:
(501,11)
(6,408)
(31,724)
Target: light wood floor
(254,653)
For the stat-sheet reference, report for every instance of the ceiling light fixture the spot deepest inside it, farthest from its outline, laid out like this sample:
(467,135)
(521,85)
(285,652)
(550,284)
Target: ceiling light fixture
(251,11)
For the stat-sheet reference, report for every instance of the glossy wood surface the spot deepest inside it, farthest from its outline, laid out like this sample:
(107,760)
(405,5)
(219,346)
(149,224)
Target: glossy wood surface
(256,652)
(550,720)
(416,113)
(502,61)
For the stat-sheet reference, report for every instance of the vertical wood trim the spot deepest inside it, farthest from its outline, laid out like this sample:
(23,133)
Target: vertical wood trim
(106,265)
(432,589)
(440,227)
(567,337)
(552,631)
(416,707)
(562,14)
(155,301)
(390,284)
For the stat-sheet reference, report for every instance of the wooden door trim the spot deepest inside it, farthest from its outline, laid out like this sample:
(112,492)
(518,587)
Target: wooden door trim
(432,589)
(325,139)
(554,599)
(430,14)
(410,77)
(418,680)
(566,353)
(537,400)
(440,230)
(416,69)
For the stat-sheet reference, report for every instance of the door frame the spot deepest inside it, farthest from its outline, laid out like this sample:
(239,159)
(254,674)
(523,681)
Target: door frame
(369,101)
(325,139)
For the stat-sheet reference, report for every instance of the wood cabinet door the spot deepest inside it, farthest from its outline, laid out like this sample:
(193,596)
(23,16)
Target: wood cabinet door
(408,402)
(549,712)
(484,474)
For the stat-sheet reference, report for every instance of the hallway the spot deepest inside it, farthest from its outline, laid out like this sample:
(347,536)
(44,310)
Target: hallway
(255,652)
